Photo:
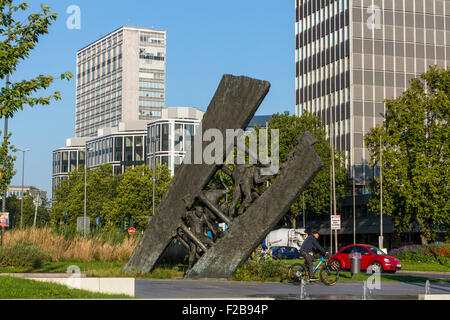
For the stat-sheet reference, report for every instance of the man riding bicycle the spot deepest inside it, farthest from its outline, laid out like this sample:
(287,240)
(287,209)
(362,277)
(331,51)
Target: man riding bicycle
(306,252)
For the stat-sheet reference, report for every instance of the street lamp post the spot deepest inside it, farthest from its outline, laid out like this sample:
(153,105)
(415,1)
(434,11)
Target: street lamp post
(85,193)
(381,242)
(154,141)
(23,175)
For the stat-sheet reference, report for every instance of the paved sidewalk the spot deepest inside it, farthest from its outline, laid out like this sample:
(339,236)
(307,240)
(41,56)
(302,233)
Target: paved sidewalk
(424,274)
(206,289)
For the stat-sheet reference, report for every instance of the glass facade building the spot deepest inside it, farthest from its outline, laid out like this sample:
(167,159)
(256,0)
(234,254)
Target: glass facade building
(170,137)
(121,150)
(352,54)
(66,160)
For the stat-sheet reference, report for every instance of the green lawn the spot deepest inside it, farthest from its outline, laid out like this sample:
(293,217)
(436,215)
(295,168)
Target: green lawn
(431,267)
(100,269)
(18,288)
(406,266)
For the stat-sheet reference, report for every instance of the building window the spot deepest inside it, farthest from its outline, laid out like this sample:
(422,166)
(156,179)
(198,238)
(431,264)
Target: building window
(128,149)
(118,149)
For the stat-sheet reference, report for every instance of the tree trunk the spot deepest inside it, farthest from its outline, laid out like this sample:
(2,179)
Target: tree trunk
(294,222)
(423,239)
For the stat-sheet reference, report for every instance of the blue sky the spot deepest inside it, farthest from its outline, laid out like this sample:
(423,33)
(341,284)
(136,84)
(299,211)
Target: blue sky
(205,39)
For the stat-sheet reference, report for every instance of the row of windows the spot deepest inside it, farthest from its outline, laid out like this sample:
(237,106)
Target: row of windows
(100,92)
(410,5)
(323,88)
(67,161)
(104,67)
(99,109)
(151,75)
(180,141)
(151,104)
(368,108)
(124,149)
(150,39)
(98,119)
(151,85)
(94,129)
(149,56)
(107,80)
(322,29)
(380,78)
(323,58)
(404,19)
(149,113)
(307,8)
(151,94)
(96,49)
(391,48)
(104,99)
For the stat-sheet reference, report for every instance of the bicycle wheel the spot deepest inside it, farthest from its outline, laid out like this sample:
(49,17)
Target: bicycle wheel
(329,275)
(296,272)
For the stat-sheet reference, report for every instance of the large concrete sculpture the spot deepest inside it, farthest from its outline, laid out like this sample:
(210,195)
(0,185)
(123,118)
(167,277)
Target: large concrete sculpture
(190,207)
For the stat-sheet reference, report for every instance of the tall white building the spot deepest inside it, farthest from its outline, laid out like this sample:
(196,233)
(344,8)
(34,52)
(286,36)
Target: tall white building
(120,77)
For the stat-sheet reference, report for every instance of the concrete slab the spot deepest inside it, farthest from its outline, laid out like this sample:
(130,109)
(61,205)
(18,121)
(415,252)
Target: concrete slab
(101,285)
(41,275)
(434,297)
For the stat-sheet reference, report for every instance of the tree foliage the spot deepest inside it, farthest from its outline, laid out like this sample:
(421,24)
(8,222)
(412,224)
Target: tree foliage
(134,195)
(110,198)
(13,206)
(415,153)
(317,195)
(6,163)
(17,40)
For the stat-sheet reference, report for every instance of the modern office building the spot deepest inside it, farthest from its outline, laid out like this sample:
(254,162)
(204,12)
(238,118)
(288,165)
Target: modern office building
(122,146)
(352,54)
(120,77)
(171,136)
(67,159)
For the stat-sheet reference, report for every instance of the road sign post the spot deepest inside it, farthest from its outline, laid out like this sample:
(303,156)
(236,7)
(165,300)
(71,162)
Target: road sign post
(335,222)
(335,225)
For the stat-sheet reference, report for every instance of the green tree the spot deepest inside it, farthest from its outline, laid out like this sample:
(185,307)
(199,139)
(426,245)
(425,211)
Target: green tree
(7,171)
(13,206)
(101,187)
(317,195)
(134,196)
(17,40)
(109,197)
(415,154)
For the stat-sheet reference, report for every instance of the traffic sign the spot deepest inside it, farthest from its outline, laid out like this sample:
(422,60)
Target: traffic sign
(4,219)
(131,231)
(336,222)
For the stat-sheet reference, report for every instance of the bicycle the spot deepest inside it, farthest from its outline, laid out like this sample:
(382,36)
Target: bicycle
(329,273)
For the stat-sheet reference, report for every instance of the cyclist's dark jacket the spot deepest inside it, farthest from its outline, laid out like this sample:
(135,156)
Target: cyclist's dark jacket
(309,243)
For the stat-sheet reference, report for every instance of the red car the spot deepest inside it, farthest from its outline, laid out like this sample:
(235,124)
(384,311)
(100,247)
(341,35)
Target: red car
(370,256)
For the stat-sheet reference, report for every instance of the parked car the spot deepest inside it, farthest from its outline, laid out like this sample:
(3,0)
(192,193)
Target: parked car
(371,256)
(284,252)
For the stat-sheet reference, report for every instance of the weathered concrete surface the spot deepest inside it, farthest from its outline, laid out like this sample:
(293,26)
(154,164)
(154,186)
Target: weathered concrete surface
(247,231)
(101,285)
(232,107)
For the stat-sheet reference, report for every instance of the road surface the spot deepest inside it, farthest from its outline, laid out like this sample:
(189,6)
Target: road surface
(217,289)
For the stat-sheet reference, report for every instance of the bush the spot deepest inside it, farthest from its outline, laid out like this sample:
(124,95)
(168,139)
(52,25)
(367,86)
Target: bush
(261,269)
(23,254)
(432,253)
